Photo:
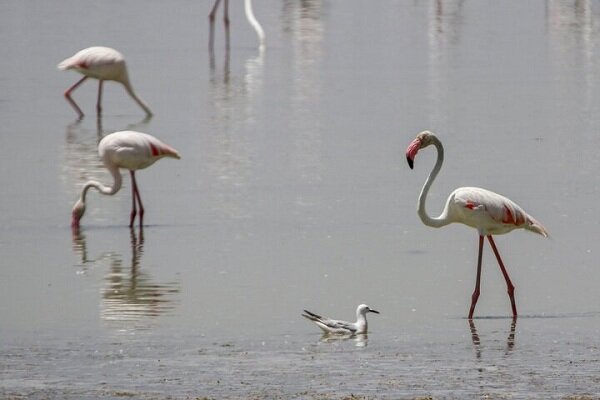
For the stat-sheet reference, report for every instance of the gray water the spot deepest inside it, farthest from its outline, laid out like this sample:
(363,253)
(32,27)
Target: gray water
(293,192)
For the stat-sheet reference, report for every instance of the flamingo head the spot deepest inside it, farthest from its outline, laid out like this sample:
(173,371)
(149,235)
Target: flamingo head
(77,213)
(422,140)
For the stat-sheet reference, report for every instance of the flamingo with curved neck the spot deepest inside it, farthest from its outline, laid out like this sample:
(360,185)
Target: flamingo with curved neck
(488,212)
(129,150)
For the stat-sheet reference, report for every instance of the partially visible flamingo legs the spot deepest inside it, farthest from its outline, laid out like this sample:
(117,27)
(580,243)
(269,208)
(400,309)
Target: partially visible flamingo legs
(509,285)
(70,100)
(211,19)
(135,196)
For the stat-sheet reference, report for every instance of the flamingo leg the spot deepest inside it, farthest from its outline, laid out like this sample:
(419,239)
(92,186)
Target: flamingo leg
(70,100)
(226,22)
(476,292)
(509,285)
(211,20)
(135,195)
(133,202)
(99,102)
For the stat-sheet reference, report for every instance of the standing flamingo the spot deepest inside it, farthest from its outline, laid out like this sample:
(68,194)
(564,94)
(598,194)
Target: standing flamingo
(130,150)
(249,16)
(486,211)
(104,64)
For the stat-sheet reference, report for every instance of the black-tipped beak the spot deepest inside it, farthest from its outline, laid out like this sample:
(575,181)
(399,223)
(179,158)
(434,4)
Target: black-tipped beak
(373,311)
(410,162)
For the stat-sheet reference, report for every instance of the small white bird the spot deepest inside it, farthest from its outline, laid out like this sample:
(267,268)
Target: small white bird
(332,326)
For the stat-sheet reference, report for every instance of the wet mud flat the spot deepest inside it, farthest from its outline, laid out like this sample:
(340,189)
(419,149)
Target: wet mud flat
(492,362)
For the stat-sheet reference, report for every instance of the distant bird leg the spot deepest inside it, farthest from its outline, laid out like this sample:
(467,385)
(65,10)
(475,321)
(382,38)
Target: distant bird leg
(509,285)
(70,100)
(211,19)
(249,16)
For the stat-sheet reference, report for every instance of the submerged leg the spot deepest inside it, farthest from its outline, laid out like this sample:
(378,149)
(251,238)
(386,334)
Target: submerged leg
(510,287)
(475,295)
(70,100)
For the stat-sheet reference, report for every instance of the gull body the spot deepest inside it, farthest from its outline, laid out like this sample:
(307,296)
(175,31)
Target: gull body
(337,327)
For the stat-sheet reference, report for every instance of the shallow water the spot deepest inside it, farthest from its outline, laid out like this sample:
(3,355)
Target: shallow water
(293,192)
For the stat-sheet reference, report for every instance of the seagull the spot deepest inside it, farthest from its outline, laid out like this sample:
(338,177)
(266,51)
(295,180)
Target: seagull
(335,327)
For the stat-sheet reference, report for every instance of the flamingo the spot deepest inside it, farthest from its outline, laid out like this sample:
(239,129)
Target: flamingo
(104,64)
(249,16)
(332,326)
(484,210)
(129,150)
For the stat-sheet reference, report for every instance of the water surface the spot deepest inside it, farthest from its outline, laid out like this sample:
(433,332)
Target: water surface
(293,192)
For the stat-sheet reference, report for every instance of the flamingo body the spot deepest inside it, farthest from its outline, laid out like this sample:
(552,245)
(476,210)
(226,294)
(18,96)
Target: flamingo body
(488,212)
(129,150)
(103,64)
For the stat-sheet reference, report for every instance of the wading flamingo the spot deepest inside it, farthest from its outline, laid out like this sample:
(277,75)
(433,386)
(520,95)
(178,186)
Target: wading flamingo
(335,327)
(104,64)
(486,211)
(249,16)
(129,150)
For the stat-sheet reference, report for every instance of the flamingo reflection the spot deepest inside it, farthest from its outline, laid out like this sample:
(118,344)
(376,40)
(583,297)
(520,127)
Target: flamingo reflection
(130,297)
(510,340)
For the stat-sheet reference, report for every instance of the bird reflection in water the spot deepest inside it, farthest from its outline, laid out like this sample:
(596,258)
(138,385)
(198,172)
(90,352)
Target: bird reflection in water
(510,340)
(130,298)
(360,340)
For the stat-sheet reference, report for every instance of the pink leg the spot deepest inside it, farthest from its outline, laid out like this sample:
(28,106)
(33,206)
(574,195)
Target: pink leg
(510,287)
(135,195)
(70,100)
(475,295)
(226,22)
(99,102)
(211,20)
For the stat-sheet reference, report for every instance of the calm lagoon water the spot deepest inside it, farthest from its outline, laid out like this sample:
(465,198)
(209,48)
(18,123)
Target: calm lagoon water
(293,192)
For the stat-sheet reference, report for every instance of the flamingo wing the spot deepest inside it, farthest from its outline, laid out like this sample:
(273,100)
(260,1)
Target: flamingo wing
(491,213)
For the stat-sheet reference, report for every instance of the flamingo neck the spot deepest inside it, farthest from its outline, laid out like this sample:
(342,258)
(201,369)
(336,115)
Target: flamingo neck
(252,20)
(135,97)
(107,190)
(442,220)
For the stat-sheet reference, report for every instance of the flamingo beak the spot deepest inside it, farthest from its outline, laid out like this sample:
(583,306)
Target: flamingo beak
(411,152)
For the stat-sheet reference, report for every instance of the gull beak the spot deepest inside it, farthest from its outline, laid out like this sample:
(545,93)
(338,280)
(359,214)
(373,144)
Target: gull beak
(373,311)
